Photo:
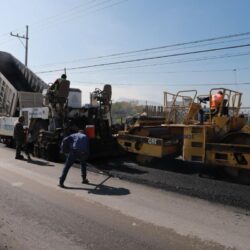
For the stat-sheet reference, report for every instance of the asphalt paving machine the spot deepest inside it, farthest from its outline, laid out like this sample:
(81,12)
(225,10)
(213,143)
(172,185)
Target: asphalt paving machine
(94,118)
(222,138)
(155,136)
(195,132)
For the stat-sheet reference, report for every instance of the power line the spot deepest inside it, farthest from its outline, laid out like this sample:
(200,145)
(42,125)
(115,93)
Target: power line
(163,84)
(165,46)
(163,63)
(72,13)
(182,71)
(150,58)
(37,23)
(93,58)
(76,10)
(177,44)
(182,61)
(91,9)
(62,14)
(99,9)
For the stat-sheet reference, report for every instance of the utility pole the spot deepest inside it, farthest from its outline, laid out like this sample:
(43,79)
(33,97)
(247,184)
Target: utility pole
(26,37)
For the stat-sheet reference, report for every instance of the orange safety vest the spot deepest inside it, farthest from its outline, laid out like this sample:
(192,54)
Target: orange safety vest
(216,101)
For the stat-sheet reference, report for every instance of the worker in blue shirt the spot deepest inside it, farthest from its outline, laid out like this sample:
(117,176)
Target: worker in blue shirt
(77,148)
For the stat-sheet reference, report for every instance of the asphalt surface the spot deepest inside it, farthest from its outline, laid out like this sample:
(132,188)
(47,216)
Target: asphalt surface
(42,218)
(108,214)
(196,180)
(36,214)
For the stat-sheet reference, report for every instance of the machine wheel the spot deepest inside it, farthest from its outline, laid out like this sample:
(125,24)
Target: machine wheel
(244,176)
(52,152)
(36,151)
(10,143)
(239,174)
(144,159)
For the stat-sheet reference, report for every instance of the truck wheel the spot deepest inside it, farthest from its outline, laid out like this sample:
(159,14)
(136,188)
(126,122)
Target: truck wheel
(244,176)
(52,152)
(144,159)
(37,152)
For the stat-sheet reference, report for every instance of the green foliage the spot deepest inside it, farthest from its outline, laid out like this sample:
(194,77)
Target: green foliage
(120,110)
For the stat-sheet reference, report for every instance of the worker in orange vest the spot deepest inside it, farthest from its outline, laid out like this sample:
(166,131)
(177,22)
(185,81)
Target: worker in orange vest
(215,102)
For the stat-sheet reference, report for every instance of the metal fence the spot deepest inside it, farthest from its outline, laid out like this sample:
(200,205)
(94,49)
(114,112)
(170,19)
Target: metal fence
(152,110)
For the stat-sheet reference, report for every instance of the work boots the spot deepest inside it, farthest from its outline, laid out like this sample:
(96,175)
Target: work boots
(19,157)
(85,181)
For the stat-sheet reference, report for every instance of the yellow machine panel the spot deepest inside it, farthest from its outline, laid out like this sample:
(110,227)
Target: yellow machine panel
(194,143)
(230,155)
(149,146)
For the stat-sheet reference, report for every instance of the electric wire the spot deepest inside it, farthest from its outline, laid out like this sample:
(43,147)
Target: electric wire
(97,58)
(60,18)
(46,19)
(163,84)
(178,44)
(62,14)
(80,13)
(72,13)
(160,64)
(149,58)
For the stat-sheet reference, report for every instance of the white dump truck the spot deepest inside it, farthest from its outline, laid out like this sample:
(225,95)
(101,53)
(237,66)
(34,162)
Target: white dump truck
(20,94)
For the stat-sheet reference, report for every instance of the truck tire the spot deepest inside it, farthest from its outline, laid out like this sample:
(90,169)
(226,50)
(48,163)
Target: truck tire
(52,152)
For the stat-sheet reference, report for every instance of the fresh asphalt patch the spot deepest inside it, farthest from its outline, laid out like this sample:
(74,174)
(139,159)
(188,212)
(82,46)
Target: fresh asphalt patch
(177,176)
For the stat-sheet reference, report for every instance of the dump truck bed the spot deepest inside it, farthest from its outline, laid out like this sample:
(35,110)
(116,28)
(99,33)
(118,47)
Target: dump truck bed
(21,77)
(18,86)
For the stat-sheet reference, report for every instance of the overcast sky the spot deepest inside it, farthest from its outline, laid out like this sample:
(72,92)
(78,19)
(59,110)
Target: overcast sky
(79,33)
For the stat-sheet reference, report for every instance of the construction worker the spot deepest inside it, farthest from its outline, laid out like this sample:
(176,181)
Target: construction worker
(215,102)
(29,144)
(19,137)
(76,146)
(55,86)
(57,97)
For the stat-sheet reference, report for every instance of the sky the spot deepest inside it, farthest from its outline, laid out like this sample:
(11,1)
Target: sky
(89,34)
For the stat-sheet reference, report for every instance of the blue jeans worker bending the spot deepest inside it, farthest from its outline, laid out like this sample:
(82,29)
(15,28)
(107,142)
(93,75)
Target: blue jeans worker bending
(77,148)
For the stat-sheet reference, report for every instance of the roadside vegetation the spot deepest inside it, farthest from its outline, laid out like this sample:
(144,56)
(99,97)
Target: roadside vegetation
(120,110)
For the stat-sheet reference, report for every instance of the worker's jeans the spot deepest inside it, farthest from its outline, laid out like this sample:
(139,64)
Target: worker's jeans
(19,146)
(72,157)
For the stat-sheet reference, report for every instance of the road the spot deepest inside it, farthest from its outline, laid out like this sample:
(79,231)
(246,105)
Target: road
(36,214)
